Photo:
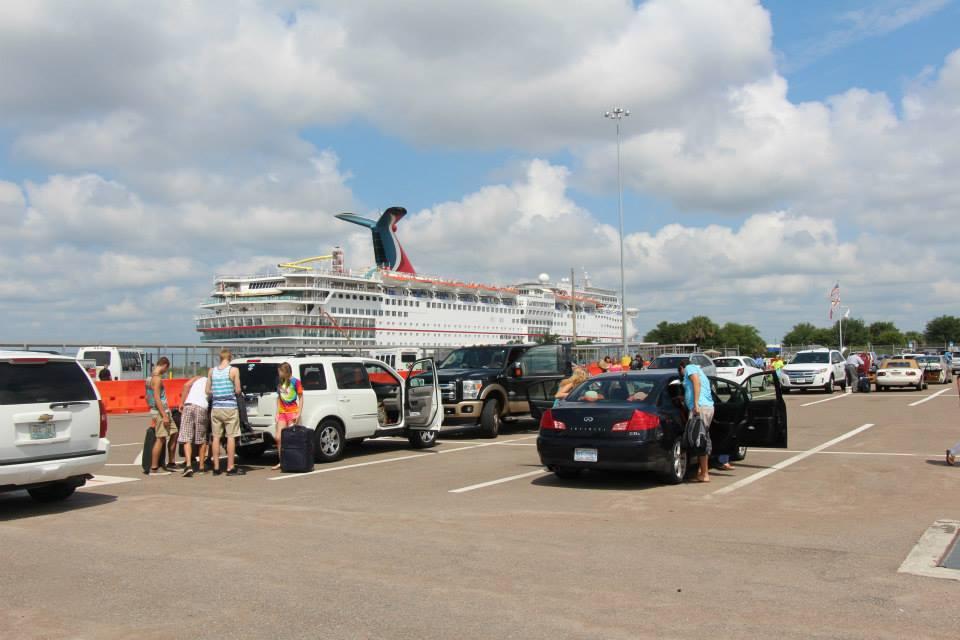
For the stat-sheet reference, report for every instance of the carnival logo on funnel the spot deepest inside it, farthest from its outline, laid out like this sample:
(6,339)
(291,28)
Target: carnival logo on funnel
(386,247)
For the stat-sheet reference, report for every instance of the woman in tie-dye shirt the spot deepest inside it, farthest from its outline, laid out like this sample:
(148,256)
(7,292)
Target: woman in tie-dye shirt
(289,401)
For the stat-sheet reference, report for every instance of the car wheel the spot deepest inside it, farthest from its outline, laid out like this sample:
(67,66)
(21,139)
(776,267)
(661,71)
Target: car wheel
(676,463)
(490,419)
(739,455)
(567,473)
(252,452)
(422,439)
(828,388)
(52,492)
(328,441)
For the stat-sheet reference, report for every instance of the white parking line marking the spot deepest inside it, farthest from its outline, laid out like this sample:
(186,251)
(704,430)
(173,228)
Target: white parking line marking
(519,444)
(836,397)
(850,453)
(789,461)
(373,462)
(929,397)
(102,481)
(139,457)
(473,487)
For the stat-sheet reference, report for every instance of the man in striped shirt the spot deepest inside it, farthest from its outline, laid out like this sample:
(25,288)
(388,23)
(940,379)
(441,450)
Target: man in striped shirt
(223,385)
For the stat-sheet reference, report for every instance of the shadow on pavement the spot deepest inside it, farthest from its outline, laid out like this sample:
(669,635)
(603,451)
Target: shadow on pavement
(18,504)
(604,481)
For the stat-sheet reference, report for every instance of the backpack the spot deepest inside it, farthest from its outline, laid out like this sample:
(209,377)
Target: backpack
(695,436)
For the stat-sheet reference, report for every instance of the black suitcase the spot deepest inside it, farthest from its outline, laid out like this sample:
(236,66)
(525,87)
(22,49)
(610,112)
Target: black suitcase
(863,384)
(296,452)
(145,459)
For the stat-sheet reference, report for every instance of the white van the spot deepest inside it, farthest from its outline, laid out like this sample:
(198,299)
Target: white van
(398,358)
(123,364)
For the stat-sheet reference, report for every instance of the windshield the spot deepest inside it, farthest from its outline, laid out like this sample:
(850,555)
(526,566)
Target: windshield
(667,362)
(102,357)
(476,358)
(613,389)
(897,364)
(928,359)
(811,357)
(727,362)
(258,377)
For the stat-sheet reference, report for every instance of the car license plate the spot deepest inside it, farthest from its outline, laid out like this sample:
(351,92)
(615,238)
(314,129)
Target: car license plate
(42,431)
(584,455)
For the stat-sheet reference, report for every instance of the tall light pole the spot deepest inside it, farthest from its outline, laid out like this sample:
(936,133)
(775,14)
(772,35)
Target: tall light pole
(617,115)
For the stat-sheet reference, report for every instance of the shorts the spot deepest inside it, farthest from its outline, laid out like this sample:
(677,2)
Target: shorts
(162,430)
(286,420)
(194,425)
(225,422)
(706,414)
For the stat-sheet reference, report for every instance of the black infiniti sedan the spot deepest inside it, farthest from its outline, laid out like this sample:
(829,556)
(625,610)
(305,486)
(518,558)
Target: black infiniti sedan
(635,420)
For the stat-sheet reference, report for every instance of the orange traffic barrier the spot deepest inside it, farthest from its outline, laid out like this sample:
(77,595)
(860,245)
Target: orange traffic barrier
(130,396)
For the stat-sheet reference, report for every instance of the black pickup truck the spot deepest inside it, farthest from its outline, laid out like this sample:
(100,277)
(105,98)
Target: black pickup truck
(482,385)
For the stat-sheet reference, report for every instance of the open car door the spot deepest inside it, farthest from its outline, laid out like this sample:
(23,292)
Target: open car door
(537,376)
(765,417)
(422,405)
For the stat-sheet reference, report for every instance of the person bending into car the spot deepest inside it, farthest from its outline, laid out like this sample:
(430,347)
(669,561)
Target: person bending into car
(699,401)
(162,422)
(223,385)
(289,403)
(194,422)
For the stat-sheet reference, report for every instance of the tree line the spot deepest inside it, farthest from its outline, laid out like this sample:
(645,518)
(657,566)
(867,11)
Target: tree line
(706,333)
(941,330)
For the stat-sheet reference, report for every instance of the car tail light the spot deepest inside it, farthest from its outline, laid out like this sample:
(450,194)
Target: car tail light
(739,372)
(547,423)
(880,373)
(103,419)
(911,373)
(639,421)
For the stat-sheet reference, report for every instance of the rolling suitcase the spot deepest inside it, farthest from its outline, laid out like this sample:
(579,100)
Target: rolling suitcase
(863,384)
(148,440)
(296,454)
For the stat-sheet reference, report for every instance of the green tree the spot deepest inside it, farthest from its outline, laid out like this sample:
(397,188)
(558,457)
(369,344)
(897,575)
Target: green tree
(802,334)
(854,332)
(943,329)
(745,335)
(700,329)
(666,333)
(913,336)
(888,337)
(878,329)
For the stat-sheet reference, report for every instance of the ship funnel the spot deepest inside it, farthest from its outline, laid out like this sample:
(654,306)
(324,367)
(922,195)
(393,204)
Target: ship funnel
(386,247)
(337,260)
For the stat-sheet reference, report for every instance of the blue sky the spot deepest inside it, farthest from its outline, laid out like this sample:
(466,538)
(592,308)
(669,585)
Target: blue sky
(769,153)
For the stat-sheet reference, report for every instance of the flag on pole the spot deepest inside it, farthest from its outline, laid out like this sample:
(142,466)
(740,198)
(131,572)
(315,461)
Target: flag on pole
(834,298)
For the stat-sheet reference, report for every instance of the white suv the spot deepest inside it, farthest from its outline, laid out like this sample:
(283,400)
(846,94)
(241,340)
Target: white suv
(344,399)
(816,368)
(53,425)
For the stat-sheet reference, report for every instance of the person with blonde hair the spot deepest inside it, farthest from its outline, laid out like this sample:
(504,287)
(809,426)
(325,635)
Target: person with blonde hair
(223,385)
(289,403)
(569,384)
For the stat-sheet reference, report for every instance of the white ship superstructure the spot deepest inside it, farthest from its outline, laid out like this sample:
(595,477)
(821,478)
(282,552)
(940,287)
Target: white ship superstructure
(318,303)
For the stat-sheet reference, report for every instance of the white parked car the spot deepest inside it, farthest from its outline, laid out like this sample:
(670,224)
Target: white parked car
(345,399)
(900,372)
(736,368)
(815,368)
(53,425)
(936,369)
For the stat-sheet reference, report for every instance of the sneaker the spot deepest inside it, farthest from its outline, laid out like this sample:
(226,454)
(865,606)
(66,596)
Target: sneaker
(188,472)
(159,471)
(236,471)
(216,472)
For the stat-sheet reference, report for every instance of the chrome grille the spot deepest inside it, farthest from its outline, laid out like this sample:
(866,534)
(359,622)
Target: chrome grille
(448,391)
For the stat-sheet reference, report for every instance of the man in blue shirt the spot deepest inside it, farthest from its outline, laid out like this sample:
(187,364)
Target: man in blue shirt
(699,401)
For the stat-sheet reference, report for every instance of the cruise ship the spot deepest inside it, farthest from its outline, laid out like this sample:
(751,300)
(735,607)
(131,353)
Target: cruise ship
(318,303)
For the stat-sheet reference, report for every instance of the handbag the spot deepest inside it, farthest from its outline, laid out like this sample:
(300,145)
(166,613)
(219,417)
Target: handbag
(695,436)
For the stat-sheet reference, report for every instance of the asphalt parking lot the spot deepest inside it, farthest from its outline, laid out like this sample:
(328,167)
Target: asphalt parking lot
(473,539)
